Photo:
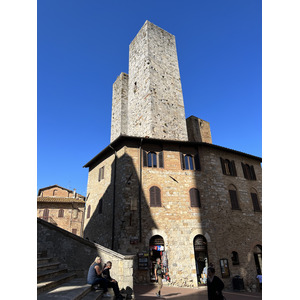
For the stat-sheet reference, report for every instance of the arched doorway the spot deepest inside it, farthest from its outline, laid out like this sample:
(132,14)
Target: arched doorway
(156,250)
(257,251)
(201,258)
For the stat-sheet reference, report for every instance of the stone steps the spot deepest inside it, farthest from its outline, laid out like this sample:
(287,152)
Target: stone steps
(54,282)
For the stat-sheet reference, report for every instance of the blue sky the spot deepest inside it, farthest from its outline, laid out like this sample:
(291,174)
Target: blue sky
(82,46)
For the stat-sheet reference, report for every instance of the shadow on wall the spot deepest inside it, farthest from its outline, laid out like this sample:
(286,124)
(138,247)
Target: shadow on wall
(122,217)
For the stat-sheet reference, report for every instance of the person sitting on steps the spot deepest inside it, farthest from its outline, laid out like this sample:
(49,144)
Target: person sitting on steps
(110,281)
(95,278)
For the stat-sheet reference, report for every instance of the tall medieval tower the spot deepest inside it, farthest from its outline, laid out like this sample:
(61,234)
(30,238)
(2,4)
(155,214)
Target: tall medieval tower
(148,102)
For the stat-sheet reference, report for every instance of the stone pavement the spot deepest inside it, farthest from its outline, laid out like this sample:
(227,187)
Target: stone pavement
(147,292)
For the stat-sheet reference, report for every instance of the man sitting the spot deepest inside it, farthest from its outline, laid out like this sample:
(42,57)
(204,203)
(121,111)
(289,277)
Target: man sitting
(110,281)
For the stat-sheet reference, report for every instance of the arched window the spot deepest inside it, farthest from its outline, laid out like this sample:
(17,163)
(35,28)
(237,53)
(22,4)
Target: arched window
(189,161)
(228,167)
(233,198)
(61,213)
(150,159)
(195,198)
(249,172)
(155,199)
(54,192)
(88,212)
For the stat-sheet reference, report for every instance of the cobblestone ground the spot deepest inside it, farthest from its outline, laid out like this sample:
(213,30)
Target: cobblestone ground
(147,292)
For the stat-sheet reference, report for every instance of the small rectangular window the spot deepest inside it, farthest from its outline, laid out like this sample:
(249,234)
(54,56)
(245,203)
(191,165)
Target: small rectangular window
(101,174)
(224,268)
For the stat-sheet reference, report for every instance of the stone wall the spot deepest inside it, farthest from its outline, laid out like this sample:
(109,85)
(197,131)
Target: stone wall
(225,229)
(77,253)
(198,130)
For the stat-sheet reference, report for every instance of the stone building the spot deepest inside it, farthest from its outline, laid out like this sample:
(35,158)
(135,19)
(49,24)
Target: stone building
(61,207)
(162,188)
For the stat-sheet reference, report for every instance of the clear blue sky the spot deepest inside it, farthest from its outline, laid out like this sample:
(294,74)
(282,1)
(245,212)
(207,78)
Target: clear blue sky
(82,46)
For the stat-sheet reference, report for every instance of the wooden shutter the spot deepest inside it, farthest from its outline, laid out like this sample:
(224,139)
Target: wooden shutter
(232,168)
(197,162)
(223,165)
(61,213)
(234,199)
(244,171)
(253,177)
(161,159)
(195,198)
(182,161)
(145,160)
(155,200)
(255,202)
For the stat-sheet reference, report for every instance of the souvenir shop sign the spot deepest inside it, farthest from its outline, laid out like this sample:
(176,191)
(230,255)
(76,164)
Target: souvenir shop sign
(157,248)
(143,261)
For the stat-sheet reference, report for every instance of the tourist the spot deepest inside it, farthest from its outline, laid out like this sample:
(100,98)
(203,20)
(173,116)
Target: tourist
(214,285)
(158,276)
(95,279)
(110,281)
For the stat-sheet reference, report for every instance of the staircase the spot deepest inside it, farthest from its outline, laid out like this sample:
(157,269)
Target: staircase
(56,282)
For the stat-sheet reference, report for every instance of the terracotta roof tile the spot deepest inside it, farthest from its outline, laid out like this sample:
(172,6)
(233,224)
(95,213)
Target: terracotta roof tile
(59,199)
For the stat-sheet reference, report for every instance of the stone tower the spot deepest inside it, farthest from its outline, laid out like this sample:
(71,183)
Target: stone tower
(149,102)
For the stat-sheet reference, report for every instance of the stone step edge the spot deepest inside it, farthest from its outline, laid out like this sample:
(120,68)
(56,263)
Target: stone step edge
(48,273)
(55,282)
(74,289)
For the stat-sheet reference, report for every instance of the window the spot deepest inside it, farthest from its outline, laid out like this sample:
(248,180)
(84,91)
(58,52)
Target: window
(61,213)
(228,167)
(195,198)
(101,174)
(233,198)
(249,172)
(100,206)
(224,268)
(155,200)
(54,192)
(46,214)
(88,212)
(255,202)
(150,159)
(235,258)
(74,231)
(190,162)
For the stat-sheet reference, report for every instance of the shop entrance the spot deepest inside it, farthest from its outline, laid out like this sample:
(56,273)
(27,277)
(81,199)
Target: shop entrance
(258,258)
(157,250)
(201,258)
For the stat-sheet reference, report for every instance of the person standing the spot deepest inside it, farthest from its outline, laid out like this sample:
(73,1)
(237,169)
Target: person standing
(110,281)
(214,285)
(94,277)
(158,276)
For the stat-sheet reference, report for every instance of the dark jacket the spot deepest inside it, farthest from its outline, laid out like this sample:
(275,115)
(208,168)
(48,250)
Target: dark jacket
(214,288)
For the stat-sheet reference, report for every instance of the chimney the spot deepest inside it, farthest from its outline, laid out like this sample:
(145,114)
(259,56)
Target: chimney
(74,193)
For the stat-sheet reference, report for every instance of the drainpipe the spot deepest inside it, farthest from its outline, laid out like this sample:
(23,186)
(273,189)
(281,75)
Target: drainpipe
(114,201)
(140,195)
